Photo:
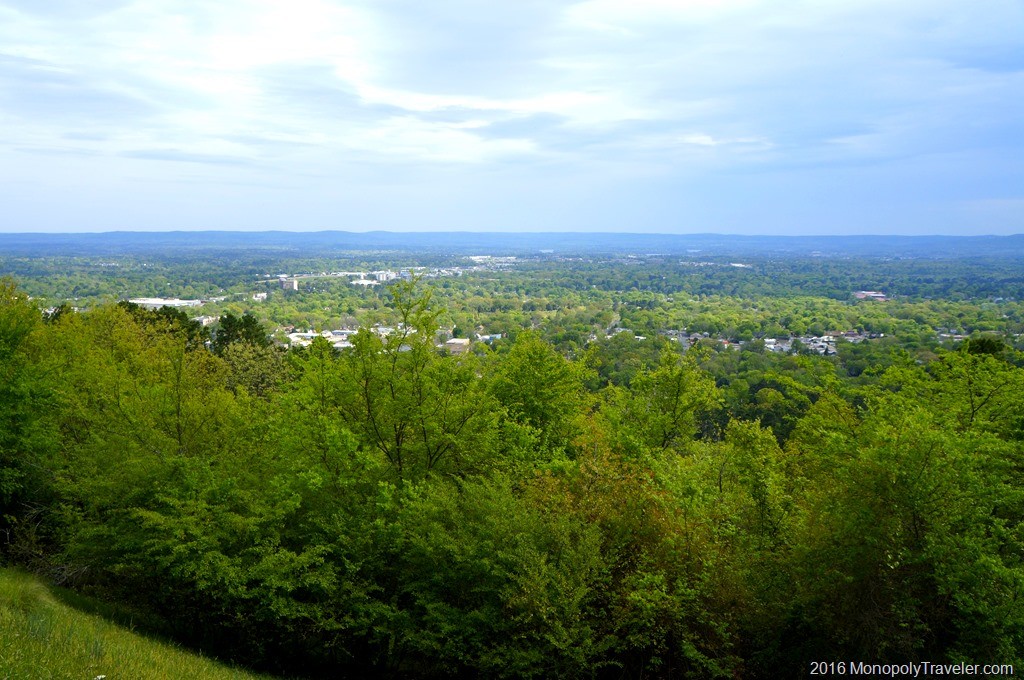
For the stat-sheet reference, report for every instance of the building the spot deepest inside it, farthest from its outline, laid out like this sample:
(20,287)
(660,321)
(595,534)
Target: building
(457,345)
(869,295)
(157,303)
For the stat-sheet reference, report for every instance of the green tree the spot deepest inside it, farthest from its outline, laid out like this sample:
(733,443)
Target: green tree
(424,412)
(167,318)
(978,391)
(909,549)
(232,329)
(258,369)
(19,400)
(662,408)
(541,389)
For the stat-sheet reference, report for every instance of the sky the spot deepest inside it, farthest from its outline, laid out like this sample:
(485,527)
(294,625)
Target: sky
(655,116)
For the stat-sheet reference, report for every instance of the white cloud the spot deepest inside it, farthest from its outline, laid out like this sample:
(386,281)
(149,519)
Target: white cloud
(622,16)
(651,89)
(450,143)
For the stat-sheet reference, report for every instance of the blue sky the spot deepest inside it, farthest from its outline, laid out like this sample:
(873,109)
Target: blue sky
(733,116)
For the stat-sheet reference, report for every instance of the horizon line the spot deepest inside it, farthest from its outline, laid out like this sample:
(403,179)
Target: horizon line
(495,233)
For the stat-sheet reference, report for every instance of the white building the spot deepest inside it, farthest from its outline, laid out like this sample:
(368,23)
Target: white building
(157,303)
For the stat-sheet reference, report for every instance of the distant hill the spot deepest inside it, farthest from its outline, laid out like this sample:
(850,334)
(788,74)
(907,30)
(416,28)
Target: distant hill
(568,243)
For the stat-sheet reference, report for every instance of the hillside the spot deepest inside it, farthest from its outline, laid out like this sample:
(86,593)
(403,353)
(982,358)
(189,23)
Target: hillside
(40,637)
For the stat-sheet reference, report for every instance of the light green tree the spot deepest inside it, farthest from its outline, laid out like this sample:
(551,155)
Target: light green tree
(423,411)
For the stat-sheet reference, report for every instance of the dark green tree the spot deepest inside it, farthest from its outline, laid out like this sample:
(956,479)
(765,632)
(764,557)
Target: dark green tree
(18,408)
(232,329)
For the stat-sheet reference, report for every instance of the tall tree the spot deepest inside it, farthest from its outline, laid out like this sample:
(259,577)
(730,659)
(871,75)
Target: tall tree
(246,328)
(662,408)
(424,412)
(542,389)
(18,319)
(909,548)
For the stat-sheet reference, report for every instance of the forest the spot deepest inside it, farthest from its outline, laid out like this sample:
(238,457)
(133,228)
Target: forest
(585,496)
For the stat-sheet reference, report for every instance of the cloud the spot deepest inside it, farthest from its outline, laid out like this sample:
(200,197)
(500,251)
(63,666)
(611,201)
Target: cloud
(183,157)
(56,152)
(628,17)
(675,101)
(34,90)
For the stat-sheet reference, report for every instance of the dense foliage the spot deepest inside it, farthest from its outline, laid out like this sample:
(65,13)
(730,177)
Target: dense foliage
(618,508)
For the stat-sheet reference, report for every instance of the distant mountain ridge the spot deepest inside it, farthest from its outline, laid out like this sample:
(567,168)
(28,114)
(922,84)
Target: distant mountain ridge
(522,243)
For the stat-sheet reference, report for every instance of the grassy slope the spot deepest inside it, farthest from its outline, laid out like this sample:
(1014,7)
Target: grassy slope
(42,638)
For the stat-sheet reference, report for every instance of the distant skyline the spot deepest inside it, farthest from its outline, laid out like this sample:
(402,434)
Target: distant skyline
(650,116)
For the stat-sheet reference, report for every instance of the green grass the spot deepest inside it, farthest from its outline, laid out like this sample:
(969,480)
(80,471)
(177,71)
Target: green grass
(41,637)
